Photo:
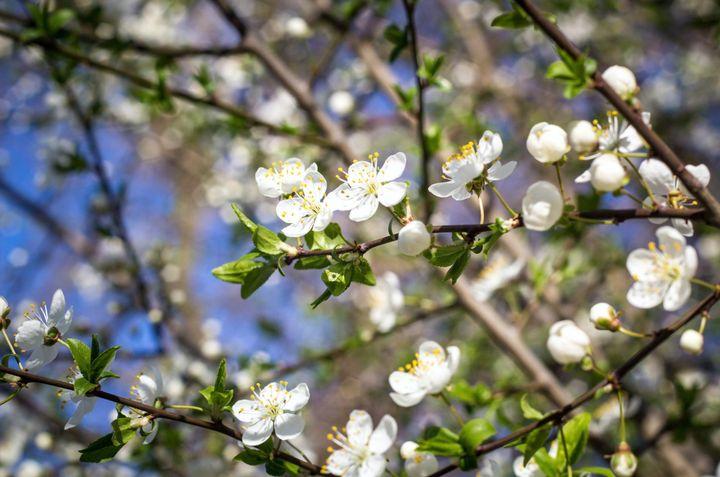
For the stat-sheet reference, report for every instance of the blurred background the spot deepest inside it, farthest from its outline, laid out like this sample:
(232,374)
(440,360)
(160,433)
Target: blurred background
(131,223)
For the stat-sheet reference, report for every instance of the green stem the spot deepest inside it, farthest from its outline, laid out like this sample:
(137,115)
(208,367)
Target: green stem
(186,407)
(634,334)
(642,180)
(631,195)
(703,283)
(560,182)
(622,416)
(703,323)
(12,349)
(505,204)
(642,155)
(568,468)
(454,411)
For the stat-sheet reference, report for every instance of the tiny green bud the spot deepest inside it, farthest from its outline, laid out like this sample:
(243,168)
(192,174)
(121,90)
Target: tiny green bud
(623,461)
(52,336)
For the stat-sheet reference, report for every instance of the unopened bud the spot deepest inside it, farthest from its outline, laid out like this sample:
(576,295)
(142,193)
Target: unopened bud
(623,461)
(413,238)
(4,307)
(586,364)
(691,341)
(604,317)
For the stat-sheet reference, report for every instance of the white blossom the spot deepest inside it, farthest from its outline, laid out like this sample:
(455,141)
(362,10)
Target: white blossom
(272,408)
(495,275)
(542,206)
(40,332)
(670,192)
(547,143)
(4,307)
(413,238)
(662,272)
(83,404)
(529,470)
(307,209)
(282,178)
(604,317)
(691,341)
(618,137)
(361,449)
(386,299)
(149,389)
(429,373)
(567,343)
(476,165)
(606,173)
(365,185)
(418,464)
(583,136)
(622,80)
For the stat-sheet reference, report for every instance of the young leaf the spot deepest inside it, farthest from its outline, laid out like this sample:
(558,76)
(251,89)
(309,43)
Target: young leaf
(244,219)
(312,263)
(474,433)
(83,386)
(324,296)
(458,267)
(576,432)
(237,271)
(440,441)
(252,457)
(101,362)
(255,279)
(529,412)
(81,355)
(514,19)
(267,241)
(100,450)
(124,429)
(362,273)
(337,277)
(446,255)
(534,441)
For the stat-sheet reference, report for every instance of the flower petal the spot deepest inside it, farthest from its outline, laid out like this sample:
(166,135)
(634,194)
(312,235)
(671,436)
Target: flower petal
(499,171)
(154,427)
(373,466)
(345,197)
(268,182)
(647,294)
(57,307)
(691,262)
(407,400)
(359,427)
(670,241)
(641,263)
(314,186)
(84,407)
(489,146)
(392,168)
(677,294)
(298,398)
(365,209)
(299,229)
(288,426)
(42,356)
(246,411)
(683,226)
(340,462)
(383,436)
(361,173)
(658,176)
(444,189)
(30,335)
(453,358)
(392,193)
(257,433)
(291,211)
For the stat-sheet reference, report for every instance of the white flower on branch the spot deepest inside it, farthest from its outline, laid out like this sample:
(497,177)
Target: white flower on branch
(604,317)
(84,404)
(429,373)
(418,464)
(618,137)
(495,275)
(308,207)
(622,80)
(271,408)
(542,206)
(476,165)
(41,331)
(386,299)
(670,192)
(567,343)
(413,238)
(149,389)
(692,341)
(583,136)
(365,185)
(606,174)
(282,178)
(547,143)
(662,272)
(361,449)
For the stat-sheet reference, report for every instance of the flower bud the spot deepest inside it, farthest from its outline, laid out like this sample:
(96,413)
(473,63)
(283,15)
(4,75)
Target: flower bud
(607,174)
(547,143)
(4,307)
(413,238)
(583,137)
(604,317)
(691,341)
(567,343)
(623,461)
(622,80)
(542,206)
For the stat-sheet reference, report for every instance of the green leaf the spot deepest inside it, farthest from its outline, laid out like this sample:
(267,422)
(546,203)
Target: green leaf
(474,433)
(440,441)
(576,432)
(312,263)
(267,241)
(473,396)
(528,411)
(255,279)
(58,19)
(534,441)
(279,467)
(549,466)
(244,219)
(252,457)
(329,238)
(101,450)
(590,471)
(446,255)
(101,362)
(458,267)
(514,19)
(237,271)
(83,386)
(337,277)
(221,376)
(124,429)
(324,296)
(399,39)
(362,272)
(81,355)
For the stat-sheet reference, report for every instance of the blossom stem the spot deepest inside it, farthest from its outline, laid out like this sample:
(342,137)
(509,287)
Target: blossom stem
(703,322)
(622,416)
(297,449)
(560,182)
(454,411)
(505,204)
(642,155)
(626,192)
(12,349)
(185,406)
(568,468)
(642,181)
(632,333)
(703,283)
(482,208)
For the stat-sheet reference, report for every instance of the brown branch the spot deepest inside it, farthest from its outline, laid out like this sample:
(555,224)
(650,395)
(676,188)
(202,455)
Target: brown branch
(26,377)
(658,146)
(613,379)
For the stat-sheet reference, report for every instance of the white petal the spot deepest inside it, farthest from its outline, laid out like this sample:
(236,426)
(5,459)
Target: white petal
(444,189)
(432,348)
(365,209)
(671,241)
(293,172)
(584,177)
(641,263)
(500,171)
(63,324)
(392,168)
(691,262)
(489,146)
(453,358)
(257,433)
(268,182)
(42,356)
(153,433)
(683,226)
(373,466)
(392,193)
(646,294)
(701,173)
(657,175)
(146,389)
(324,217)
(422,465)
(359,427)
(314,186)
(57,307)
(677,295)
(30,335)
(340,461)
(407,400)
(361,173)
(246,411)
(299,229)
(461,194)
(383,436)
(298,398)
(345,197)
(84,407)
(288,426)
(291,211)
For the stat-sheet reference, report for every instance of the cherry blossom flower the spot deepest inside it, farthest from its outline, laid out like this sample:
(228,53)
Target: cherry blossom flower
(670,192)
(418,464)
(583,136)
(542,206)
(622,80)
(529,470)
(282,178)
(272,408)
(149,389)
(547,143)
(604,317)
(617,136)
(386,300)
(662,272)
(365,185)
(361,449)
(42,330)
(606,174)
(413,238)
(308,208)
(475,166)
(429,373)
(567,343)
